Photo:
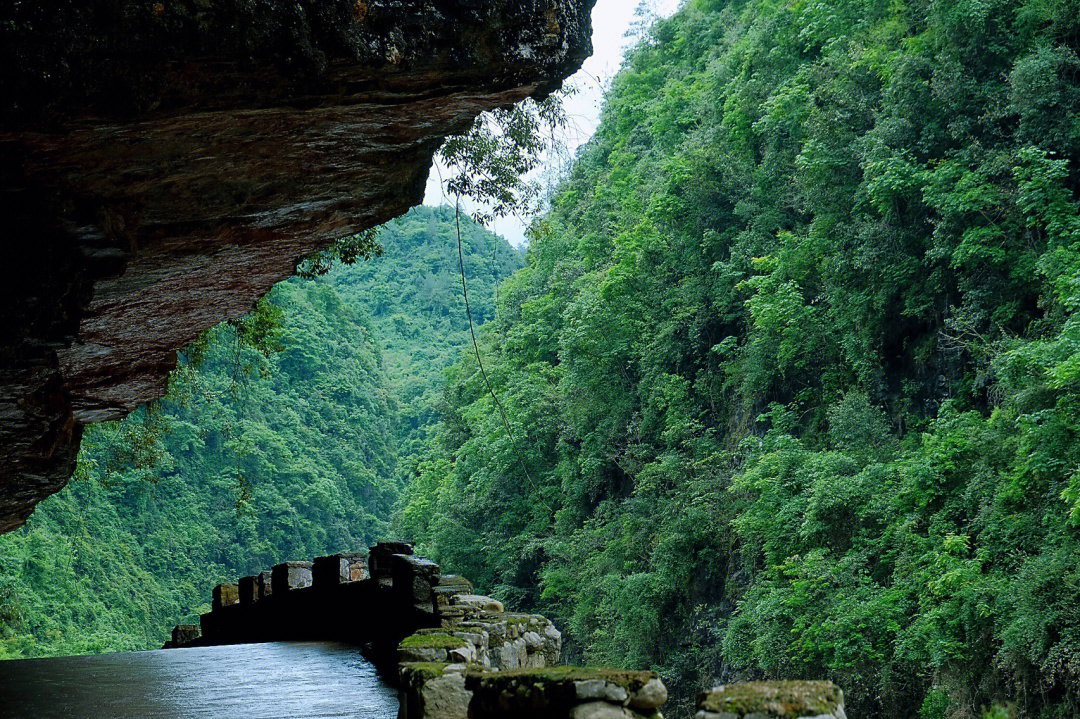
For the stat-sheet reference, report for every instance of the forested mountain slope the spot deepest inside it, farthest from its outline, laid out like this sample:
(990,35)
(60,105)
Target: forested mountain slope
(793,367)
(413,296)
(279,439)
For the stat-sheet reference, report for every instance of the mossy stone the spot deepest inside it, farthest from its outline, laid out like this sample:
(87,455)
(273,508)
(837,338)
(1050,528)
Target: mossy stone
(422,671)
(782,699)
(432,641)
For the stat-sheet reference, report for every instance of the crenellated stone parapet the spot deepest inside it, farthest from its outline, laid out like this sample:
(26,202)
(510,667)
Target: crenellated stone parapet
(456,654)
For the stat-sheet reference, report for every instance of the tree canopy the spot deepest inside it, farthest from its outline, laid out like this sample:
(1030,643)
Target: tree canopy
(790,371)
(279,439)
(794,364)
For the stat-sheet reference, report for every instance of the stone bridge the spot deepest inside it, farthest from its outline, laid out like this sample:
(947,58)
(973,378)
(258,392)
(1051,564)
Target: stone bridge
(454,654)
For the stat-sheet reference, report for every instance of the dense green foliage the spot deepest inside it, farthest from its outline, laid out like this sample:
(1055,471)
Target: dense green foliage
(792,376)
(413,296)
(278,440)
(793,366)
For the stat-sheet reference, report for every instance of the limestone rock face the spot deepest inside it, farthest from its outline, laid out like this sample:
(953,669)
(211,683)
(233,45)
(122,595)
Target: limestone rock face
(164,164)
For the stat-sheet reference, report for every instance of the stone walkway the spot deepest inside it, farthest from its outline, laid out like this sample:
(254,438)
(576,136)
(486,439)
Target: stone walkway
(254,681)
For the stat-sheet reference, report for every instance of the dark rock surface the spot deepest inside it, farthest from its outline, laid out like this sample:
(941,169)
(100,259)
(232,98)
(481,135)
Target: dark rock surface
(225,595)
(185,633)
(248,590)
(165,163)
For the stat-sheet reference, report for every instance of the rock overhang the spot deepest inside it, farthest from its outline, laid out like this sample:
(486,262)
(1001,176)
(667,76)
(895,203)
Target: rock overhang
(166,163)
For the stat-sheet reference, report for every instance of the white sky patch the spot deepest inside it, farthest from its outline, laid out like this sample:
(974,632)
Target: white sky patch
(612,22)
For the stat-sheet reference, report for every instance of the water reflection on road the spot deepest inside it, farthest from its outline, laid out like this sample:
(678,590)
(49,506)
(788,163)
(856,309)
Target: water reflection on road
(254,681)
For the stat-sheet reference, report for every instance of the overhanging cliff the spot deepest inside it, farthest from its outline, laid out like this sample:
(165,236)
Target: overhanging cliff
(165,163)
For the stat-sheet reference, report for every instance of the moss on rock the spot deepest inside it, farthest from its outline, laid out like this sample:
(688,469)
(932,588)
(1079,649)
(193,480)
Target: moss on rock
(411,672)
(432,641)
(628,679)
(774,699)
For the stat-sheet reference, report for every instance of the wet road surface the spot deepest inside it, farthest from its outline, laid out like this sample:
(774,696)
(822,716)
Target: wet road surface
(254,681)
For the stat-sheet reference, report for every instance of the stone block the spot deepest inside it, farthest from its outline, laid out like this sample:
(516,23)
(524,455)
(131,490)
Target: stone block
(329,571)
(290,576)
(358,568)
(379,558)
(389,548)
(429,647)
(266,585)
(413,578)
(249,590)
(184,634)
(226,595)
(433,690)
(601,690)
(451,614)
(455,583)
(422,654)
(477,601)
(772,700)
(649,697)
(512,654)
(448,586)
(446,697)
(412,565)
(602,710)
(338,569)
(463,655)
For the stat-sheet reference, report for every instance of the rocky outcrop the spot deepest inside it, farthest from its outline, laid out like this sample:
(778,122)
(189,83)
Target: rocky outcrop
(163,164)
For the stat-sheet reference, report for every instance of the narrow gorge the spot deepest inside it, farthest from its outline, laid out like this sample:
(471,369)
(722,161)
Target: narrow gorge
(766,401)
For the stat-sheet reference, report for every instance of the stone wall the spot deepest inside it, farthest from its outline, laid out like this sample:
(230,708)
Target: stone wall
(337,597)
(455,654)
